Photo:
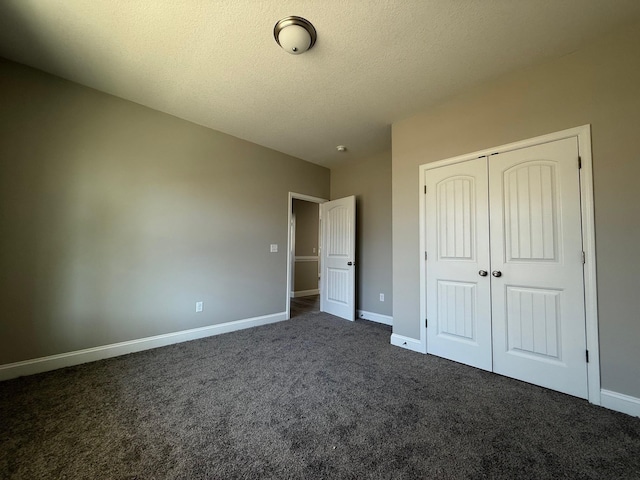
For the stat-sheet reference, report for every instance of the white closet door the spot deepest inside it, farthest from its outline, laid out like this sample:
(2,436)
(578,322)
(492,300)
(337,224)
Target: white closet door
(457,243)
(537,280)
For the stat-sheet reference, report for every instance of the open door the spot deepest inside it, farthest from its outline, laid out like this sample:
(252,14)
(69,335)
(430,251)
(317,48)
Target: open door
(338,277)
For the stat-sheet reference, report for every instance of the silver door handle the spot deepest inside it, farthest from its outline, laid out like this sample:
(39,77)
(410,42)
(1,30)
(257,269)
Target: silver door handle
(483,273)
(496,273)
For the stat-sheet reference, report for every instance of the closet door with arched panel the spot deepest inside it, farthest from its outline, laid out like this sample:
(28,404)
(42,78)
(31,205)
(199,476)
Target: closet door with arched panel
(537,289)
(457,281)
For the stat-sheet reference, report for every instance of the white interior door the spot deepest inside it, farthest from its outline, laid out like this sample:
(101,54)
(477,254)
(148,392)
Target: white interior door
(537,271)
(457,281)
(337,291)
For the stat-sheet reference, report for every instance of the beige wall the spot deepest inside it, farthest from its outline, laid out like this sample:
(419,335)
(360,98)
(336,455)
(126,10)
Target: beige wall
(307,223)
(305,276)
(370,181)
(306,244)
(116,219)
(598,85)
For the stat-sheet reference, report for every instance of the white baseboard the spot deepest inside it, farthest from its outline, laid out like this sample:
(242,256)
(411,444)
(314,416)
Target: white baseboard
(375,317)
(44,364)
(620,402)
(305,293)
(408,343)
(306,258)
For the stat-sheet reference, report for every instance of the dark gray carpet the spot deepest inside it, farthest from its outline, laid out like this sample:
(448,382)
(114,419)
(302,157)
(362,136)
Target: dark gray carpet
(315,397)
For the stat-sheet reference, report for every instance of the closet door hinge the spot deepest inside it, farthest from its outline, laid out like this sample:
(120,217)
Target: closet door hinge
(579,162)
(587,351)
(584,258)
(426,322)
(425,189)
(425,255)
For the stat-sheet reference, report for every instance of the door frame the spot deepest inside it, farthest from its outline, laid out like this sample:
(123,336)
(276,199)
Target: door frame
(290,240)
(583,135)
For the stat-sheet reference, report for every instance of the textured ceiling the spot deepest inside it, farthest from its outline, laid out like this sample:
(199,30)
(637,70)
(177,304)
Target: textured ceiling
(215,62)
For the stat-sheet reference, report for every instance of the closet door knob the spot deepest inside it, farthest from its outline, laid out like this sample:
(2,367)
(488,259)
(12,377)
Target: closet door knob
(483,273)
(496,273)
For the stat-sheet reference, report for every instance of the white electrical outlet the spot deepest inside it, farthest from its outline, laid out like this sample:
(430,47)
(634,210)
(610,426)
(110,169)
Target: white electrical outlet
(382,297)
(199,307)
(274,248)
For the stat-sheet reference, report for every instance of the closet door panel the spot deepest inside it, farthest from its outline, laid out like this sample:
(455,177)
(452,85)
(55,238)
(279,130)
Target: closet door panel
(536,253)
(458,305)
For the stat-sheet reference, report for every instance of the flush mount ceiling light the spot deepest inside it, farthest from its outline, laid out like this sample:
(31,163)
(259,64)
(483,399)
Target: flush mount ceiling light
(295,35)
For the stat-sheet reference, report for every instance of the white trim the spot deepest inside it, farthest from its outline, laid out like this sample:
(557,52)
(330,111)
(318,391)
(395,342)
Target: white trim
(306,198)
(589,248)
(375,317)
(583,135)
(306,258)
(579,132)
(421,258)
(291,250)
(52,362)
(620,402)
(305,293)
(290,261)
(408,343)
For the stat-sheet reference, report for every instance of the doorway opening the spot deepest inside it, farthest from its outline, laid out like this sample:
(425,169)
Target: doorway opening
(303,264)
